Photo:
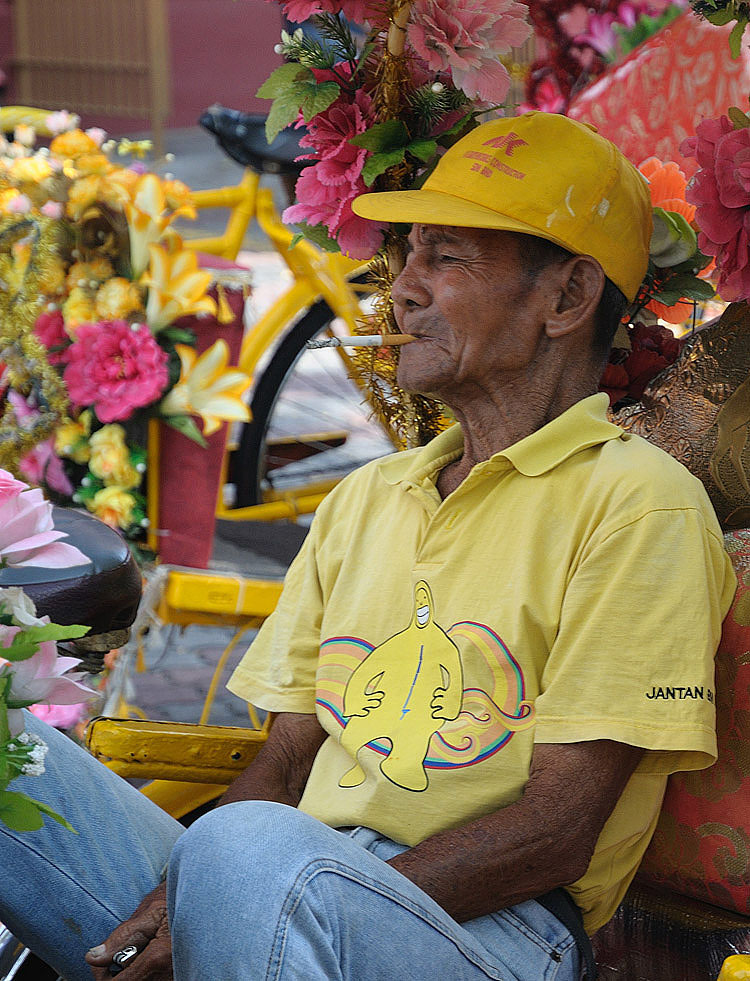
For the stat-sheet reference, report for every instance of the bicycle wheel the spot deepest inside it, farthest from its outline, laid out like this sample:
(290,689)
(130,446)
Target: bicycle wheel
(311,424)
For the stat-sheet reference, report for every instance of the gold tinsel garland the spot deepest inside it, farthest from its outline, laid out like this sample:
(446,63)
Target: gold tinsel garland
(25,358)
(414,419)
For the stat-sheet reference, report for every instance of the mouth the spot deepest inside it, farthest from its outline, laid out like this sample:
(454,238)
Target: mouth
(423,615)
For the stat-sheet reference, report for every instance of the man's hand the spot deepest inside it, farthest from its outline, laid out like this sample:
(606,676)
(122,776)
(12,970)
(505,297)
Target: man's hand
(148,931)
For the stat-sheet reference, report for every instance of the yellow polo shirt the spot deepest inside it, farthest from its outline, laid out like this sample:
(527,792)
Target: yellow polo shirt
(572,588)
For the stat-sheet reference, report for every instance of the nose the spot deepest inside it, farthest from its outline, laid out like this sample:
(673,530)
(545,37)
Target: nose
(410,290)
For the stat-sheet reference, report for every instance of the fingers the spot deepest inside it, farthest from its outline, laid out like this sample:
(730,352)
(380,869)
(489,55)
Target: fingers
(153,962)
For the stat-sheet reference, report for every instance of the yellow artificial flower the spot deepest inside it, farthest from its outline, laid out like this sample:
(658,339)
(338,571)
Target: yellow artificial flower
(71,438)
(117,298)
(93,163)
(148,218)
(73,144)
(176,287)
(207,388)
(177,195)
(24,135)
(6,198)
(114,506)
(125,179)
(89,275)
(93,189)
(31,169)
(78,309)
(110,458)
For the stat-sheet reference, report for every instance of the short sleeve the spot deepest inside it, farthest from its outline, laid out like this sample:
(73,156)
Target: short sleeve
(277,672)
(639,627)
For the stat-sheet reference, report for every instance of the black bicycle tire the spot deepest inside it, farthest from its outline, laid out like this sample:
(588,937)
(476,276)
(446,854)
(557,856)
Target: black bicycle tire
(247,467)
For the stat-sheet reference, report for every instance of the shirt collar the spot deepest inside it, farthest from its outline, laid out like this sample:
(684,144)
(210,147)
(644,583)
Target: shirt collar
(583,425)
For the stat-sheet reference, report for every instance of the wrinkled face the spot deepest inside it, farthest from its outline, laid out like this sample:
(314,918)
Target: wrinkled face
(422,604)
(465,295)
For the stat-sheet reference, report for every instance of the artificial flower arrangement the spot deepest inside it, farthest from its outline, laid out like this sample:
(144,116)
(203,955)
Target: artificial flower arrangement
(577,41)
(378,115)
(90,261)
(32,675)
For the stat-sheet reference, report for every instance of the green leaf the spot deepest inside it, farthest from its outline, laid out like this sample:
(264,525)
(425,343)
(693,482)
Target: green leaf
(187,426)
(296,238)
(26,643)
(423,150)
(382,137)
(45,809)
(178,335)
(735,37)
(283,112)
(19,812)
(739,119)
(282,79)
(720,18)
(380,162)
(317,97)
(318,235)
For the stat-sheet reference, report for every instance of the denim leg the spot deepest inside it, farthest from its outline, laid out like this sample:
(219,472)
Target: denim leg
(61,893)
(262,892)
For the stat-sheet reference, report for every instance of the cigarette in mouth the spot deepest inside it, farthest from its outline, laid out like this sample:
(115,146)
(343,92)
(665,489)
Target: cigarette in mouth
(363,340)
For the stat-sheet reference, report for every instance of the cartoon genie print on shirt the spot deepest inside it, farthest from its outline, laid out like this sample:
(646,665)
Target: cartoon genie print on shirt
(406,700)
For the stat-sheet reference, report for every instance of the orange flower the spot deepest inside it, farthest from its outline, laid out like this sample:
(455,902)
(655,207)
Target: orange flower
(72,144)
(667,183)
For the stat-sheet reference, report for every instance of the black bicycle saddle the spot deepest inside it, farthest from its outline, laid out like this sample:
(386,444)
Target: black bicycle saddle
(103,594)
(242,136)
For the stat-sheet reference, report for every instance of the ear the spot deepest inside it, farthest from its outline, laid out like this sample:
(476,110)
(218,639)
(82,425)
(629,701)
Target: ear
(579,289)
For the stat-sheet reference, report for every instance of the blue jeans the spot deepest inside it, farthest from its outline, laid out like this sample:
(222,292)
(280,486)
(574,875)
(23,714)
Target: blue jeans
(256,891)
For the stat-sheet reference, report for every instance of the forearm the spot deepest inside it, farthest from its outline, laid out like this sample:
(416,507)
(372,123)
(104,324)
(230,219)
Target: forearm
(280,770)
(494,862)
(542,841)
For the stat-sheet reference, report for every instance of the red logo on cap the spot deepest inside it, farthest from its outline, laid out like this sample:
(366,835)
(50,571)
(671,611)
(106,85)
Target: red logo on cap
(510,141)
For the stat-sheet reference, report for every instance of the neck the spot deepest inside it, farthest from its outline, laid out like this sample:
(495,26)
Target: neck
(492,421)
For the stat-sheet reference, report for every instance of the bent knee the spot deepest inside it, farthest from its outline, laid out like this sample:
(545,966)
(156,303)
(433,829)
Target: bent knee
(265,830)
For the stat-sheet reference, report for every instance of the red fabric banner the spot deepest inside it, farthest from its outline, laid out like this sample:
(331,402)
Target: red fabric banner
(650,102)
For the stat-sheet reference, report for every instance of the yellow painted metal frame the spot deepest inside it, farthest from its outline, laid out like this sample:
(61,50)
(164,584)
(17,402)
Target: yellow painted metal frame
(735,968)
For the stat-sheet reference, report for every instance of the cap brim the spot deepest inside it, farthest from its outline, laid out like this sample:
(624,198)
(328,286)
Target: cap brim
(437,208)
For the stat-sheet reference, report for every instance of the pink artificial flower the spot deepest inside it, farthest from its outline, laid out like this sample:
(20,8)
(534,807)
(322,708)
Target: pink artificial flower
(60,716)
(547,96)
(97,134)
(600,34)
(116,368)
(52,209)
(467,37)
(19,205)
(61,122)
(325,191)
(27,532)
(356,11)
(39,679)
(721,192)
(50,330)
(40,465)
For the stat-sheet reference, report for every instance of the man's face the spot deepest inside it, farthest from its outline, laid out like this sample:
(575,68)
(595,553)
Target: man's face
(477,316)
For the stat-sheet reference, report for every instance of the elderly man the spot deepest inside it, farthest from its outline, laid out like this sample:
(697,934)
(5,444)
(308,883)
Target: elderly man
(468,763)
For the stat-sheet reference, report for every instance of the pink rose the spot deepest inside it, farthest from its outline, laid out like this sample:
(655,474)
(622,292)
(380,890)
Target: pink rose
(721,193)
(467,37)
(116,367)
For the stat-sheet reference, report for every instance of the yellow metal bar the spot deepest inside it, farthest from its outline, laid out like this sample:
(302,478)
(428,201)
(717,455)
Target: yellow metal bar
(179,798)
(735,968)
(241,199)
(289,508)
(212,592)
(211,694)
(174,751)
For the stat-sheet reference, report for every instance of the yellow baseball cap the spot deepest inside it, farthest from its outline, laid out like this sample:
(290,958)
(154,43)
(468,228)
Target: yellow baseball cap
(542,174)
